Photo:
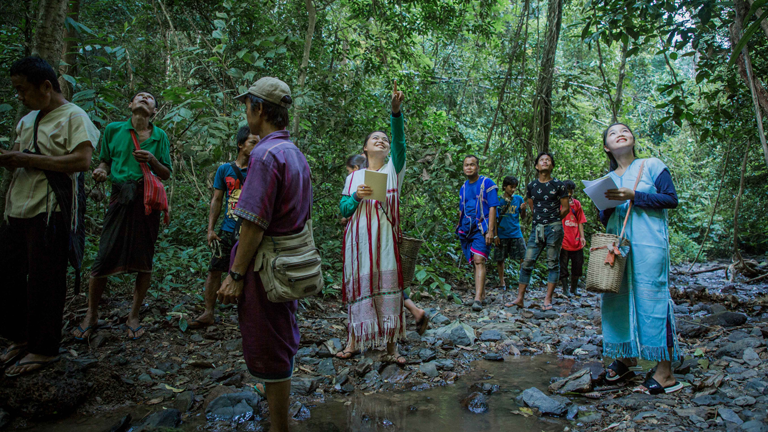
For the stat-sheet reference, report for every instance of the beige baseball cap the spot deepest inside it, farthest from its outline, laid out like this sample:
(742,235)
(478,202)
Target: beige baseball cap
(270,89)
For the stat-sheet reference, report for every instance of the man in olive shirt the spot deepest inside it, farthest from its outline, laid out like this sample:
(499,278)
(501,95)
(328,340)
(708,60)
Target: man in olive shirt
(128,237)
(55,137)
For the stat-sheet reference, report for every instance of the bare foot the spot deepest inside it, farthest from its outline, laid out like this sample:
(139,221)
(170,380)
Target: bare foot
(12,352)
(518,302)
(203,321)
(30,363)
(135,329)
(86,327)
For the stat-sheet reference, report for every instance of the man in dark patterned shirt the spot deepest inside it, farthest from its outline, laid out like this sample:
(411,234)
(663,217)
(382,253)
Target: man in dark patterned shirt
(547,198)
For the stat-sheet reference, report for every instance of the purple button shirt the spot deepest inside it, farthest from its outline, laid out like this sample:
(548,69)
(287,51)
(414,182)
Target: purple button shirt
(277,196)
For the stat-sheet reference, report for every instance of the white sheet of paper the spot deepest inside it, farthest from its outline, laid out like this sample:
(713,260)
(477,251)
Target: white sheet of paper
(595,189)
(377,181)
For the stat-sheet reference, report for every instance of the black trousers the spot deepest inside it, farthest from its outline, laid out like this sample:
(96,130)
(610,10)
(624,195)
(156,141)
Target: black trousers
(33,266)
(577,263)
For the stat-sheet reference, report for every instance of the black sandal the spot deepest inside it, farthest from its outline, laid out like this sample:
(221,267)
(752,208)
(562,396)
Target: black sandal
(622,371)
(423,324)
(652,387)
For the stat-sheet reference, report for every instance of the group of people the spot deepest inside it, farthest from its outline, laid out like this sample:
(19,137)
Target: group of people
(489,227)
(267,191)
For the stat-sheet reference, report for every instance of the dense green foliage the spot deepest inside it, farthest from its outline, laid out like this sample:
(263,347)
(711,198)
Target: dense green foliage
(687,105)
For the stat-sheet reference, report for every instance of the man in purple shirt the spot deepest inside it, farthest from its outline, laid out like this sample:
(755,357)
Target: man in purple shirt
(275,201)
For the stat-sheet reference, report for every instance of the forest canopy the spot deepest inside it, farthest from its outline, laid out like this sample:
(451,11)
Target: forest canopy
(503,80)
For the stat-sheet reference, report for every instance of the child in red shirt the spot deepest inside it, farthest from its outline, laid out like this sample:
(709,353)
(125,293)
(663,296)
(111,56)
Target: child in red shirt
(573,242)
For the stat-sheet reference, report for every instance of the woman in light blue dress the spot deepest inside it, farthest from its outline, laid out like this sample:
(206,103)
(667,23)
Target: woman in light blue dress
(639,321)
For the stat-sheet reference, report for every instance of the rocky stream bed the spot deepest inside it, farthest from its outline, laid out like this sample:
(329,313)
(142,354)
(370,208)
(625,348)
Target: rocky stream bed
(539,370)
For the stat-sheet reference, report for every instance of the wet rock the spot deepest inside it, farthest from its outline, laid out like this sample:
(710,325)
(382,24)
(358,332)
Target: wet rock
(364,366)
(121,425)
(215,393)
(690,330)
(184,401)
(535,398)
(445,364)
(580,382)
(476,403)
(393,374)
(708,400)
(725,319)
(303,386)
(736,349)
(309,351)
(573,411)
(326,367)
(334,345)
(299,411)
(165,419)
(494,357)
(753,426)
(237,407)
(429,369)
(413,337)
(427,354)
(439,320)
(491,336)
(372,377)
(457,333)
(196,338)
(157,372)
(751,357)
(145,378)
(687,365)
(484,388)
(728,415)
(541,315)
(744,401)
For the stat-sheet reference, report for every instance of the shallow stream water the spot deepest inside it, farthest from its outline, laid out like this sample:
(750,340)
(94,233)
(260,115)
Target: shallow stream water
(436,409)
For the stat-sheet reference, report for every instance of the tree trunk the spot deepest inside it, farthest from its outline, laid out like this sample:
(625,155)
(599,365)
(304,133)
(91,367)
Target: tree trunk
(69,67)
(47,43)
(759,12)
(512,54)
(312,16)
(737,204)
(542,102)
(757,91)
(620,82)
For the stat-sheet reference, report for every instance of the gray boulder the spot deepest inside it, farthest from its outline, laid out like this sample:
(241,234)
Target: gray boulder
(237,407)
(580,382)
(535,398)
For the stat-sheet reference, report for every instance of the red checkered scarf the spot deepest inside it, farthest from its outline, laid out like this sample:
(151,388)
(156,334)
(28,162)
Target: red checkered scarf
(154,191)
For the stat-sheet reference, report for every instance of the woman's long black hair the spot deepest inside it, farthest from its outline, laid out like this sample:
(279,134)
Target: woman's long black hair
(612,160)
(357,161)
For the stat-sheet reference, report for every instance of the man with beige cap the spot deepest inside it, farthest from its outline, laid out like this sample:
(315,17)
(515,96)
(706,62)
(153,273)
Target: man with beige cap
(275,201)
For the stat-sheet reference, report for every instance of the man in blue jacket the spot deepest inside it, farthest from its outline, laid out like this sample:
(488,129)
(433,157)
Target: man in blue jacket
(478,200)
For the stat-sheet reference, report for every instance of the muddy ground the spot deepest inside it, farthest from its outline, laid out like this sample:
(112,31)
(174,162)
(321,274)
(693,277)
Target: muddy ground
(721,327)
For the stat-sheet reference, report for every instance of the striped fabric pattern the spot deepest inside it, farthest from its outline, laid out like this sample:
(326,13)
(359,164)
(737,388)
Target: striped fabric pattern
(154,191)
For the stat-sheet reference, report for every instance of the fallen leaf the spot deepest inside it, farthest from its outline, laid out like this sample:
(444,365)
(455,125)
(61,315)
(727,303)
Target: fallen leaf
(154,401)
(173,389)
(465,348)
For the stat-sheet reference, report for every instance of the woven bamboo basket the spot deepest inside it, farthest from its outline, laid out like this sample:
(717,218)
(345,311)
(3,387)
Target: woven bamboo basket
(602,277)
(409,252)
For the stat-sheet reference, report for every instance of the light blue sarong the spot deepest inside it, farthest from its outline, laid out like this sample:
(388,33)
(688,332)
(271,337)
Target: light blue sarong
(635,321)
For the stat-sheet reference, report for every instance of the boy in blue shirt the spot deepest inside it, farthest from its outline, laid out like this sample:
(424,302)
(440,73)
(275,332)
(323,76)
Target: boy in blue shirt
(478,200)
(509,238)
(228,181)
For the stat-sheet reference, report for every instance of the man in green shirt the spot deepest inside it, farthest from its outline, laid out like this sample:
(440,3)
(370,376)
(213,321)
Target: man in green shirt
(128,236)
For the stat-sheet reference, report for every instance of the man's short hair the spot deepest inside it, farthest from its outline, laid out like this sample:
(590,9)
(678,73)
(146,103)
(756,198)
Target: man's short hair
(477,159)
(509,181)
(144,91)
(569,185)
(36,71)
(552,158)
(242,136)
(275,114)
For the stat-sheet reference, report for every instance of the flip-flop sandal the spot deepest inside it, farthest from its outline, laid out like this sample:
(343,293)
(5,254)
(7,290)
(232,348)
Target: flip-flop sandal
(259,391)
(134,331)
(621,370)
(477,306)
(21,351)
(42,364)
(394,358)
(547,307)
(423,324)
(346,355)
(83,331)
(509,305)
(654,388)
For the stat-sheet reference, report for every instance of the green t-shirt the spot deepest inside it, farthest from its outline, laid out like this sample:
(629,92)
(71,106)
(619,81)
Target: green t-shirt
(117,148)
